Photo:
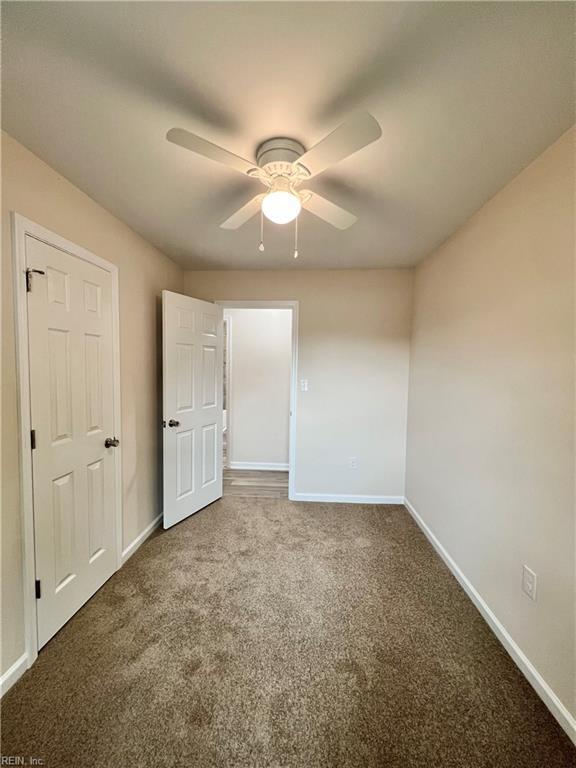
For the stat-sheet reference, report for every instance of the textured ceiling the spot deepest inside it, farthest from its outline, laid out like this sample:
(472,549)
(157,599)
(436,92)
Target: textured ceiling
(467,94)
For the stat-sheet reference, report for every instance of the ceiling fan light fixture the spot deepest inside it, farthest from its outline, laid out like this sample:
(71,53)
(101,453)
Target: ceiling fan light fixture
(282,165)
(281,206)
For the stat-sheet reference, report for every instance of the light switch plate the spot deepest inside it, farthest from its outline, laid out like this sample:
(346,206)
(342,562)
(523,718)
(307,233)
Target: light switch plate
(529,582)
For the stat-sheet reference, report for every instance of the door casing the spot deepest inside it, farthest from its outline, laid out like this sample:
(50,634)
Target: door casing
(21,228)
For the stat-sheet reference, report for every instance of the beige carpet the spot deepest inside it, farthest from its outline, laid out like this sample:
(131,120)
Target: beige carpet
(266,633)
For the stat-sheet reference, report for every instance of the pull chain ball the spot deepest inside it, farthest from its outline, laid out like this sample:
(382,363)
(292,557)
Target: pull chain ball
(261,246)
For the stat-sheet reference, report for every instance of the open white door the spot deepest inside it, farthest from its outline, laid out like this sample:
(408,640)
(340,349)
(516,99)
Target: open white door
(192,380)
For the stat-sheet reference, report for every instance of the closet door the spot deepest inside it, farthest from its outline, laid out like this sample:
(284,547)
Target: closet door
(70,330)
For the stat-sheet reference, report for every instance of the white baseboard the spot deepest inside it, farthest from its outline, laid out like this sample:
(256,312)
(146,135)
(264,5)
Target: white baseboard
(141,538)
(556,707)
(336,498)
(266,466)
(13,673)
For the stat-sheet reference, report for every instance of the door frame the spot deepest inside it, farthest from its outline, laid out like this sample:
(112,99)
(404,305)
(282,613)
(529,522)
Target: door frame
(21,228)
(226,382)
(294,306)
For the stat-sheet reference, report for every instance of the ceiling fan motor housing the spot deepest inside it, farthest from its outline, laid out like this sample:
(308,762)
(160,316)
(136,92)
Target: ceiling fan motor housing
(276,156)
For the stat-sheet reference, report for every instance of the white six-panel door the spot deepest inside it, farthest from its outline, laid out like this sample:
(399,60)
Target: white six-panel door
(70,331)
(192,382)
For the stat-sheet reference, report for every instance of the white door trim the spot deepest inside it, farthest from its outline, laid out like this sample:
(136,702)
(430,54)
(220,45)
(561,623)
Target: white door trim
(294,306)
(22,227)
(227,382)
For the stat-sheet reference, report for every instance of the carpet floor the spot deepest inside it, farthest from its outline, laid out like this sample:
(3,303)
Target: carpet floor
(288,635)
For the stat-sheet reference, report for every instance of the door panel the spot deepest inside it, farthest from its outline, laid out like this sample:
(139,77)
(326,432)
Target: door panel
(192,381)
(184,463)
(209,365)
(60,383)
(64,529)
(70,344)
(93,379)
(185,374)
(96,509)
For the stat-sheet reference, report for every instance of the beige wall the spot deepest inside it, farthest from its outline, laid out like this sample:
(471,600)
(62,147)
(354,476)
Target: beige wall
(354,330)
(490,460)
(33,189)
(259,393)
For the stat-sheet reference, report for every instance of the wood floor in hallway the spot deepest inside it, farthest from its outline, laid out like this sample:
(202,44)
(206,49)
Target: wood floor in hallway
(264,484)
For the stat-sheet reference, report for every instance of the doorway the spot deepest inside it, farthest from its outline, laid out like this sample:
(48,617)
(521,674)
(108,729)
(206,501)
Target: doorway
(259,398)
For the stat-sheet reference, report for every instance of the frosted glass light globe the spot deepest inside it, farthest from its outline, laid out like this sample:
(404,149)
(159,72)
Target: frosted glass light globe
(281,207)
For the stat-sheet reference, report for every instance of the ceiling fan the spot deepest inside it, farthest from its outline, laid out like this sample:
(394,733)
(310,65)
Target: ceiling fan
(283,165)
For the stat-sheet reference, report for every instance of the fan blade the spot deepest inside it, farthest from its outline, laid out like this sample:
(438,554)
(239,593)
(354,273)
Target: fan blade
(354,134)
(330,212)
(244,214)
(207,149)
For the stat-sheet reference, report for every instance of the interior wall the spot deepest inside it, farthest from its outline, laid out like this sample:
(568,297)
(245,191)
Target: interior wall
(353,350)
(33,189)
(260,343)
(490,460)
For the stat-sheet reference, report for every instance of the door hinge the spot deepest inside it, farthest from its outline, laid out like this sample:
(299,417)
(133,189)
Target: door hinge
(29,273)
(38,589)
(33,438)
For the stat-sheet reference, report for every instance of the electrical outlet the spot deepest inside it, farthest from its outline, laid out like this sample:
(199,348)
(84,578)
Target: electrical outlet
(529,582)
(353,462)
(304,385)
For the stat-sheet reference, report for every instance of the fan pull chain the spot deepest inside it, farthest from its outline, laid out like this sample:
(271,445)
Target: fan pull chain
(296,238)
(261,246)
